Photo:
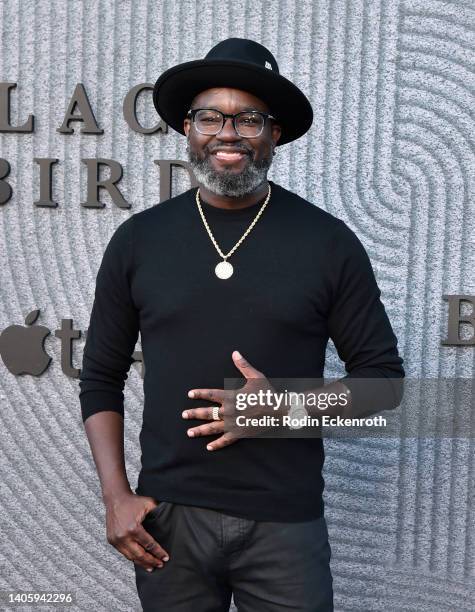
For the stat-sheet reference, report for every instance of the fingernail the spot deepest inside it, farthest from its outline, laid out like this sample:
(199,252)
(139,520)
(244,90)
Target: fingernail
(184,414)
(238,355)
(149,569)
(191,394)
(190,433)
(165,558)
(209,447)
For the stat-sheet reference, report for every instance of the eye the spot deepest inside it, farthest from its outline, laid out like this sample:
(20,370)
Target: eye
(250,119)
(208,117)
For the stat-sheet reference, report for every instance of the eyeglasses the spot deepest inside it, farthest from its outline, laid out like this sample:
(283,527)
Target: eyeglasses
(209,121)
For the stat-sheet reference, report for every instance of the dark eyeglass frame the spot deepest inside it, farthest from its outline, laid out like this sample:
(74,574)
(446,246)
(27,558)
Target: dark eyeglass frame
(192,112)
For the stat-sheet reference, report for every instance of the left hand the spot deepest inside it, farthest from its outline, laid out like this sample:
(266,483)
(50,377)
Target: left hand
(254,379)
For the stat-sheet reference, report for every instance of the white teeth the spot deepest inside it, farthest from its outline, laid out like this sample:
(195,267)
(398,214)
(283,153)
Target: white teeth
(229,153)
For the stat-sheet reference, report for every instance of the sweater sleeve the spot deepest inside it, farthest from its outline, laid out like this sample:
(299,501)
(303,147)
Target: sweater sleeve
(361,331)
(113,329)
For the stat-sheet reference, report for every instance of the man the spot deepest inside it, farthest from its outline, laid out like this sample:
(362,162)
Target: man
(238,278)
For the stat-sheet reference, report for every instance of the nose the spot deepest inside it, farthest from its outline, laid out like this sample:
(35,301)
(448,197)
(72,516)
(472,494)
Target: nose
(228,133)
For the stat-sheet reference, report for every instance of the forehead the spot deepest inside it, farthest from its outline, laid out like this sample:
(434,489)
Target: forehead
(229,99)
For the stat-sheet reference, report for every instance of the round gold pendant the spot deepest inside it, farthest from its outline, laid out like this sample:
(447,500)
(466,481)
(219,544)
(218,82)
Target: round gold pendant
(224,270)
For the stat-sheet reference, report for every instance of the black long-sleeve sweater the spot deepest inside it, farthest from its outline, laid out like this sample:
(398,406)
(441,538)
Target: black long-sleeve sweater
(300,277)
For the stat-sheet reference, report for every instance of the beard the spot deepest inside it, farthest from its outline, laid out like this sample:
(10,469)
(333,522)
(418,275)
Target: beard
(227,182)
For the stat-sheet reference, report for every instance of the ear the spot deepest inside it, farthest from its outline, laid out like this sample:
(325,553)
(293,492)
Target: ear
(186,126)
(276,132)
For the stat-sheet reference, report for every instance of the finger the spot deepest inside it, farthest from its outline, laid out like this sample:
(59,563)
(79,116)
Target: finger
(141,557)
(147,550)
(216,427)
(214,395)
(136,553)
(245,367)
(206,412)
(200,413)
(225,440)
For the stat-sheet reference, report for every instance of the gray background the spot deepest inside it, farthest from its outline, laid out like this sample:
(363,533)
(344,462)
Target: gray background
(391,152)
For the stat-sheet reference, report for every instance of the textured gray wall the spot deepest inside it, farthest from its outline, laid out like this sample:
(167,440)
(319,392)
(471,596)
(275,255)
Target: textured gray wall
(391,152)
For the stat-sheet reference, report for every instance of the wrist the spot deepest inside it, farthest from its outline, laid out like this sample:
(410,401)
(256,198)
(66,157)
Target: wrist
(346,408)
(112,497)
(334,400)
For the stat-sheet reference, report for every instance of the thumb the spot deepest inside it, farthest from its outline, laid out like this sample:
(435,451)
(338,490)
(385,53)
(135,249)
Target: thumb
(245,367)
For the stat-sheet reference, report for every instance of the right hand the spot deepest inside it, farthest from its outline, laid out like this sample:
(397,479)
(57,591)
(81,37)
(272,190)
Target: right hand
(124,516)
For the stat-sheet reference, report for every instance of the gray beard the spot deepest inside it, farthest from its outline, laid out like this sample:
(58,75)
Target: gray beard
(228,183)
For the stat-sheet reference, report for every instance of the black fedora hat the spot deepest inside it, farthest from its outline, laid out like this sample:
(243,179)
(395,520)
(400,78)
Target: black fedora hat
(242,64)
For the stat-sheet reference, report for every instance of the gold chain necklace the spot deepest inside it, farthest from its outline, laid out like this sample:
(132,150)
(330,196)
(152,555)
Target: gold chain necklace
(224,269)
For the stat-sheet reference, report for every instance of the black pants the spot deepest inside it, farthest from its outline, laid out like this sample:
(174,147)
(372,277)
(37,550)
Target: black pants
(267,566)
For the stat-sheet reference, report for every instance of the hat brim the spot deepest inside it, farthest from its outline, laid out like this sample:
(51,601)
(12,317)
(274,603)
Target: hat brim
(176,87)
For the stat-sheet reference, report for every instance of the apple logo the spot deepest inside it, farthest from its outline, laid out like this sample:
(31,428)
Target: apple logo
(22,348)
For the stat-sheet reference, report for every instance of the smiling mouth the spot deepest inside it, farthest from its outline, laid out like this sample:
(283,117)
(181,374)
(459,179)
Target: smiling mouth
(230,157)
